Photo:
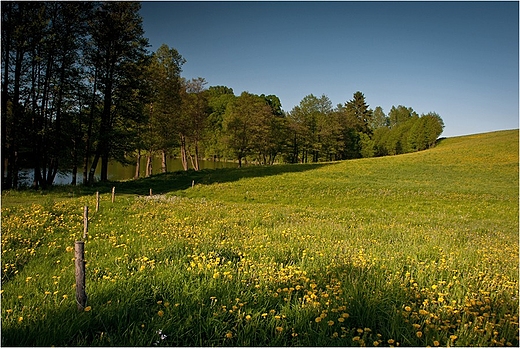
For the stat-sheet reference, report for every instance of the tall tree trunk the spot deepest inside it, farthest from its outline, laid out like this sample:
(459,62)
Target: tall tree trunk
(138,164)
(93,169)
(86,179)
(164,169)
(184,159)
(149,165)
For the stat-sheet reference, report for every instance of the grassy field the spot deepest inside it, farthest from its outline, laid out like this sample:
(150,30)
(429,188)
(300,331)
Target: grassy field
(412,250)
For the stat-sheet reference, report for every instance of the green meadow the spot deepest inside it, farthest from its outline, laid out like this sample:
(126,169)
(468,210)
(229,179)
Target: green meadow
(419,249)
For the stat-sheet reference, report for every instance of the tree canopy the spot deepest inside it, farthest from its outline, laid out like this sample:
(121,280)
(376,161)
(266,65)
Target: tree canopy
(80,88)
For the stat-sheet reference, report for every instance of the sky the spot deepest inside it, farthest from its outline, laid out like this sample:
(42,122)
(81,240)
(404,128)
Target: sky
(458,59)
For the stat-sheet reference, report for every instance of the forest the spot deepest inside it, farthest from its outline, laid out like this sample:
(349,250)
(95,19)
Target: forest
(80,88)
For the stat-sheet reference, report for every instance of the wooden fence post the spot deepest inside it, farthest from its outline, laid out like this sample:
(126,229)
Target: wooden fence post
(85,223)
(79,254)
(97,201)
(113,194)
(151,193)
(192,183)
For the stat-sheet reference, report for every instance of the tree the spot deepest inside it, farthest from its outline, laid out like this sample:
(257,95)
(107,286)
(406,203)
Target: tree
(245,124)
(117,58)
(219,97)
(309,124)
(164,108)
(379,119)
(195,111)
(399,115)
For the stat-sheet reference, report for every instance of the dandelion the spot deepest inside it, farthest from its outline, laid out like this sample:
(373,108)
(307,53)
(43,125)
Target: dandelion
(356,338)
(345,315)
(279,329)
(341,319)
(408,308)
(436,343)
(318,319)
(20,319)
(248,317)
(330,322)
(229,334)
(418,334)
(390,341)
(453,337)
(9,311)
(87,309)
(359,331)
(160,313)
(65,296)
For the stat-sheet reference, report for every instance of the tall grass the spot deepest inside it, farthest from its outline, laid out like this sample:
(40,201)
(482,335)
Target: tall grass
(412,250)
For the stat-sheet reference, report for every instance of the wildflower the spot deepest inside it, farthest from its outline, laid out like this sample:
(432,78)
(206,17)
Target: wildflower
(87,309)
(418,334)
(264,315)
(408,308)
(436,343)
(166,304)
(375,344)
(360,331)
(65,296)
(341,319)
(20,319)
(318,319)
(356,338)
(330,322)
(160,313)
(390,341)
(345,315)
(453,337)
(248,317)
(229,334)
(9,311)
(279,329)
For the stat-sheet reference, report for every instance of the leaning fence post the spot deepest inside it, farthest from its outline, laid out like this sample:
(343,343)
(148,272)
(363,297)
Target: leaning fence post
(81,296)
(97,201)
(113,194)
(85,222)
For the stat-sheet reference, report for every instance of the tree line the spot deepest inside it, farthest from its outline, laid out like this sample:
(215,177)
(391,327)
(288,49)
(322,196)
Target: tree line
(80,88)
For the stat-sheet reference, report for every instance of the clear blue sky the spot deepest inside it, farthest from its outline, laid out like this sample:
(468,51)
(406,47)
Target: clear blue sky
(459,59)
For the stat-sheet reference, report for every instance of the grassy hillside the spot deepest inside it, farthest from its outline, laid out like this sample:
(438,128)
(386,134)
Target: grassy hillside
(411,250)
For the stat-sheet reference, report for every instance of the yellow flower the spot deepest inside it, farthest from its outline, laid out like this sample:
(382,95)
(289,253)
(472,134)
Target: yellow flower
(248,317)
(229,334)
(345,315)
(87,309)
(160,313)
(408,308)
(330,322)
(375,344)
(418,334)
(20,319)
(341,320)
(279,329)
(318,319)
(436,343)
(453,337)
(356,338)
(166,304)
(390,341)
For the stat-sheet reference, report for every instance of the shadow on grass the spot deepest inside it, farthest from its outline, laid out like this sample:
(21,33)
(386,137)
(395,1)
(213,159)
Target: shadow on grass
(181,180)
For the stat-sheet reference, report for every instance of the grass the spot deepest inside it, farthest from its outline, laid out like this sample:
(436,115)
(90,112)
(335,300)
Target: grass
(412,250)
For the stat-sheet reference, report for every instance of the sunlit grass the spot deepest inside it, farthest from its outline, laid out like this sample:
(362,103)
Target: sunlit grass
(412,250)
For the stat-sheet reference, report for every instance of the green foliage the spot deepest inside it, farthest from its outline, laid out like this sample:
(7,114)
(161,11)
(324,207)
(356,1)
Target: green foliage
(412,250)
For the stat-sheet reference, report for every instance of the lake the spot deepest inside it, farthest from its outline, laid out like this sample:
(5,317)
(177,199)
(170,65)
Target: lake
(117,171)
